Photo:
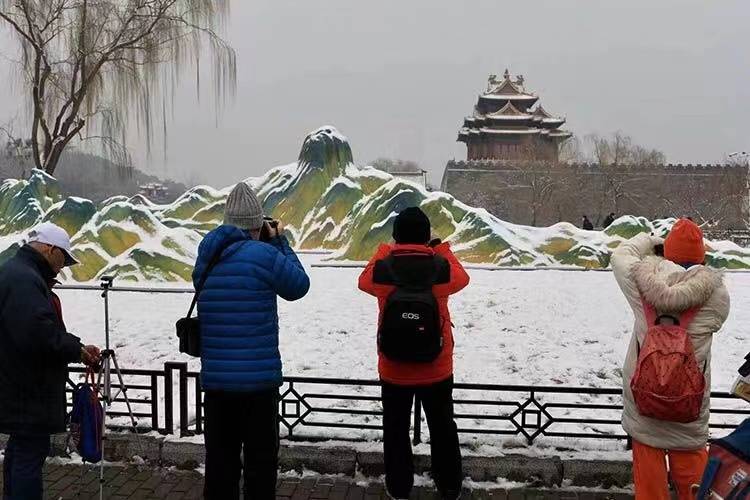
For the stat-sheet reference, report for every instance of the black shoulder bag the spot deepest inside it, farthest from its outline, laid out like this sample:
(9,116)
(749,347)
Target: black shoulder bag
(189,328)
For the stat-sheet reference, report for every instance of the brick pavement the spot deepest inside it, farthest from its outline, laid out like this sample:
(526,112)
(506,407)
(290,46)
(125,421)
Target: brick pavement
(73,482)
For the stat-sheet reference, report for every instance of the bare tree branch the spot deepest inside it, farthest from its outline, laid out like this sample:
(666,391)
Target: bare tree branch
(91,66)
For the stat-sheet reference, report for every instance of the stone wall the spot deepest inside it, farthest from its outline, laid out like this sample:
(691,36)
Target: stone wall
(541,194)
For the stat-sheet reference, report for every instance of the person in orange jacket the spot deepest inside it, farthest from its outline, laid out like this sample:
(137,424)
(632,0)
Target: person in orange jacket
(414,260)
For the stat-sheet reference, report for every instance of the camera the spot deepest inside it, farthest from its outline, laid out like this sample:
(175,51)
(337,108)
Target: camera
(268,223)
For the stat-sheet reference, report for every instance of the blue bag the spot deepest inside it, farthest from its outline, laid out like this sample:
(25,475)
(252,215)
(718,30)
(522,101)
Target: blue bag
(86,420)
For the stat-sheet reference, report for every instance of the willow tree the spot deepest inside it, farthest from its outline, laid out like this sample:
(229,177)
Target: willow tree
(91,68)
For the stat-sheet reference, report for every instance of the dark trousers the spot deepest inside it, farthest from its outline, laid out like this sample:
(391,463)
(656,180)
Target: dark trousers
(22,467)
(244,423)
(437,401)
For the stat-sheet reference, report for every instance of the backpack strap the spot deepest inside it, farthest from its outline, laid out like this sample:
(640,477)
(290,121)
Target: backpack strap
(650,312)
(709,474)
(390,269)
(687,317)
(214,260)
(684,319)
(385,271)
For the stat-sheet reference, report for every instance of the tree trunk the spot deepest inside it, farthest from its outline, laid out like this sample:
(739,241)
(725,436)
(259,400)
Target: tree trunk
(52,161)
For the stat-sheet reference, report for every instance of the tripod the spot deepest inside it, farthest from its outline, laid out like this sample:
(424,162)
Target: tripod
(108,361)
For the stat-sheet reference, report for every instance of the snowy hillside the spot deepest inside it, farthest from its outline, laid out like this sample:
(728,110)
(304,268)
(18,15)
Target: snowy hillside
(325,202)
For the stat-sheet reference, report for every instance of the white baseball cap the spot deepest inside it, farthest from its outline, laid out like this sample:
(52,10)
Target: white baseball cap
(52,234)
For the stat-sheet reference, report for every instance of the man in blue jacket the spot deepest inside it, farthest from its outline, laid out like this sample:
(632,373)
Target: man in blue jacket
(241,365)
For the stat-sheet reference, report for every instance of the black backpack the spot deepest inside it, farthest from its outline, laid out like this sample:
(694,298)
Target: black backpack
(411,329)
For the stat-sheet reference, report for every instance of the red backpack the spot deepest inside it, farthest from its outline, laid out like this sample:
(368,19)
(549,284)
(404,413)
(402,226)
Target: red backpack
(668,384)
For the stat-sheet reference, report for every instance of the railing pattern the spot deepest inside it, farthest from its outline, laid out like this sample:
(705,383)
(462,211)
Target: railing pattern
(171,400)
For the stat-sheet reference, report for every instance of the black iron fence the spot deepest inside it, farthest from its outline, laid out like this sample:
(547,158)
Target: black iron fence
(171,401)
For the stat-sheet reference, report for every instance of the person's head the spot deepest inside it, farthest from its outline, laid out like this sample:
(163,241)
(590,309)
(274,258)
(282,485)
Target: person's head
(411,227)
(53,243)
(243,210)
(684,244)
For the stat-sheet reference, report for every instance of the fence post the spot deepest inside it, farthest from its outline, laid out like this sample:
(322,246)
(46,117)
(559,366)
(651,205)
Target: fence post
(168,399)
(417,420)
(183,401)
(198,407)
(290,428)
(154,402)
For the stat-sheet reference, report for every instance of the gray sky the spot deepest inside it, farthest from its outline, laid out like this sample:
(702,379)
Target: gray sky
(397,78)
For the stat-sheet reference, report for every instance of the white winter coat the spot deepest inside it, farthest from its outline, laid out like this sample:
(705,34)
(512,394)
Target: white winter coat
(670,289)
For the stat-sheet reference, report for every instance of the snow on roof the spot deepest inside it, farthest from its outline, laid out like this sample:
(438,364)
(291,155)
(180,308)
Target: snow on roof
(509,112)
(509,130)
(560,133)
(511,97)
(540,111)
(507,87)
(553,120)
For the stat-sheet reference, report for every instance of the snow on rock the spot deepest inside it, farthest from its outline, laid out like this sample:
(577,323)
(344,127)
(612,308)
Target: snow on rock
(325,202)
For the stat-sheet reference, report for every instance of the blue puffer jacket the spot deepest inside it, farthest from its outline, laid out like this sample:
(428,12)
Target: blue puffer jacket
(237,308)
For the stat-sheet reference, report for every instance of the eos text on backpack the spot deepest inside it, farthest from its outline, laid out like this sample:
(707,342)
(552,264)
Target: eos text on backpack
(668,384)
(86,420)
(410,326)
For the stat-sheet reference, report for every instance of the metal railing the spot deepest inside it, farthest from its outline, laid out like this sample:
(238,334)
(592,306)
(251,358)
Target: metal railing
(171,400)
(310,408)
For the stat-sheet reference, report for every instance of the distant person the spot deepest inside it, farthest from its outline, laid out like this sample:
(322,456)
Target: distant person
(35,350)
(608,220)
(586,224)
(676,288)
(412,280)
(240,361)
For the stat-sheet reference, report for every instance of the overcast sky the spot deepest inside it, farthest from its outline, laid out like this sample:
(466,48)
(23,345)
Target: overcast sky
(398,76)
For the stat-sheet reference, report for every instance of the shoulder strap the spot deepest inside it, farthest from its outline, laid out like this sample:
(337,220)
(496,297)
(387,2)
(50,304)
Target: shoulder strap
(650,312)
(652,318)
(214,260)
(687,317)
(389,263)
(391,270)
(709,474)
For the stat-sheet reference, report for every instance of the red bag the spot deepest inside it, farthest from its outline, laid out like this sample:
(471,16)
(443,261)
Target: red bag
(668,384)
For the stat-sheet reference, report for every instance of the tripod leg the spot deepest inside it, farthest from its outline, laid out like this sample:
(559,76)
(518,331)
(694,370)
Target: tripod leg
(106,402)
(124,391)
(104,440)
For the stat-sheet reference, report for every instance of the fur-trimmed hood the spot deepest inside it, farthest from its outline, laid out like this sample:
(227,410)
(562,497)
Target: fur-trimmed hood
(669,288)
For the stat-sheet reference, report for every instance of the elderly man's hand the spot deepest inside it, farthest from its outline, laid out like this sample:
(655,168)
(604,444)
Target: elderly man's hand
(90,355)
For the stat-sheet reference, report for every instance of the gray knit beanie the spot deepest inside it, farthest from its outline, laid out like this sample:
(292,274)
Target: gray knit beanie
(243,209)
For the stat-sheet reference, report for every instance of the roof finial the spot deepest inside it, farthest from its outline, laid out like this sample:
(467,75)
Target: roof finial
(506,74)
(491,81)
(519,80)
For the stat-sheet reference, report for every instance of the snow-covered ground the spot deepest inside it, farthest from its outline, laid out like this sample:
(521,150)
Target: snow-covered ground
(552,328)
